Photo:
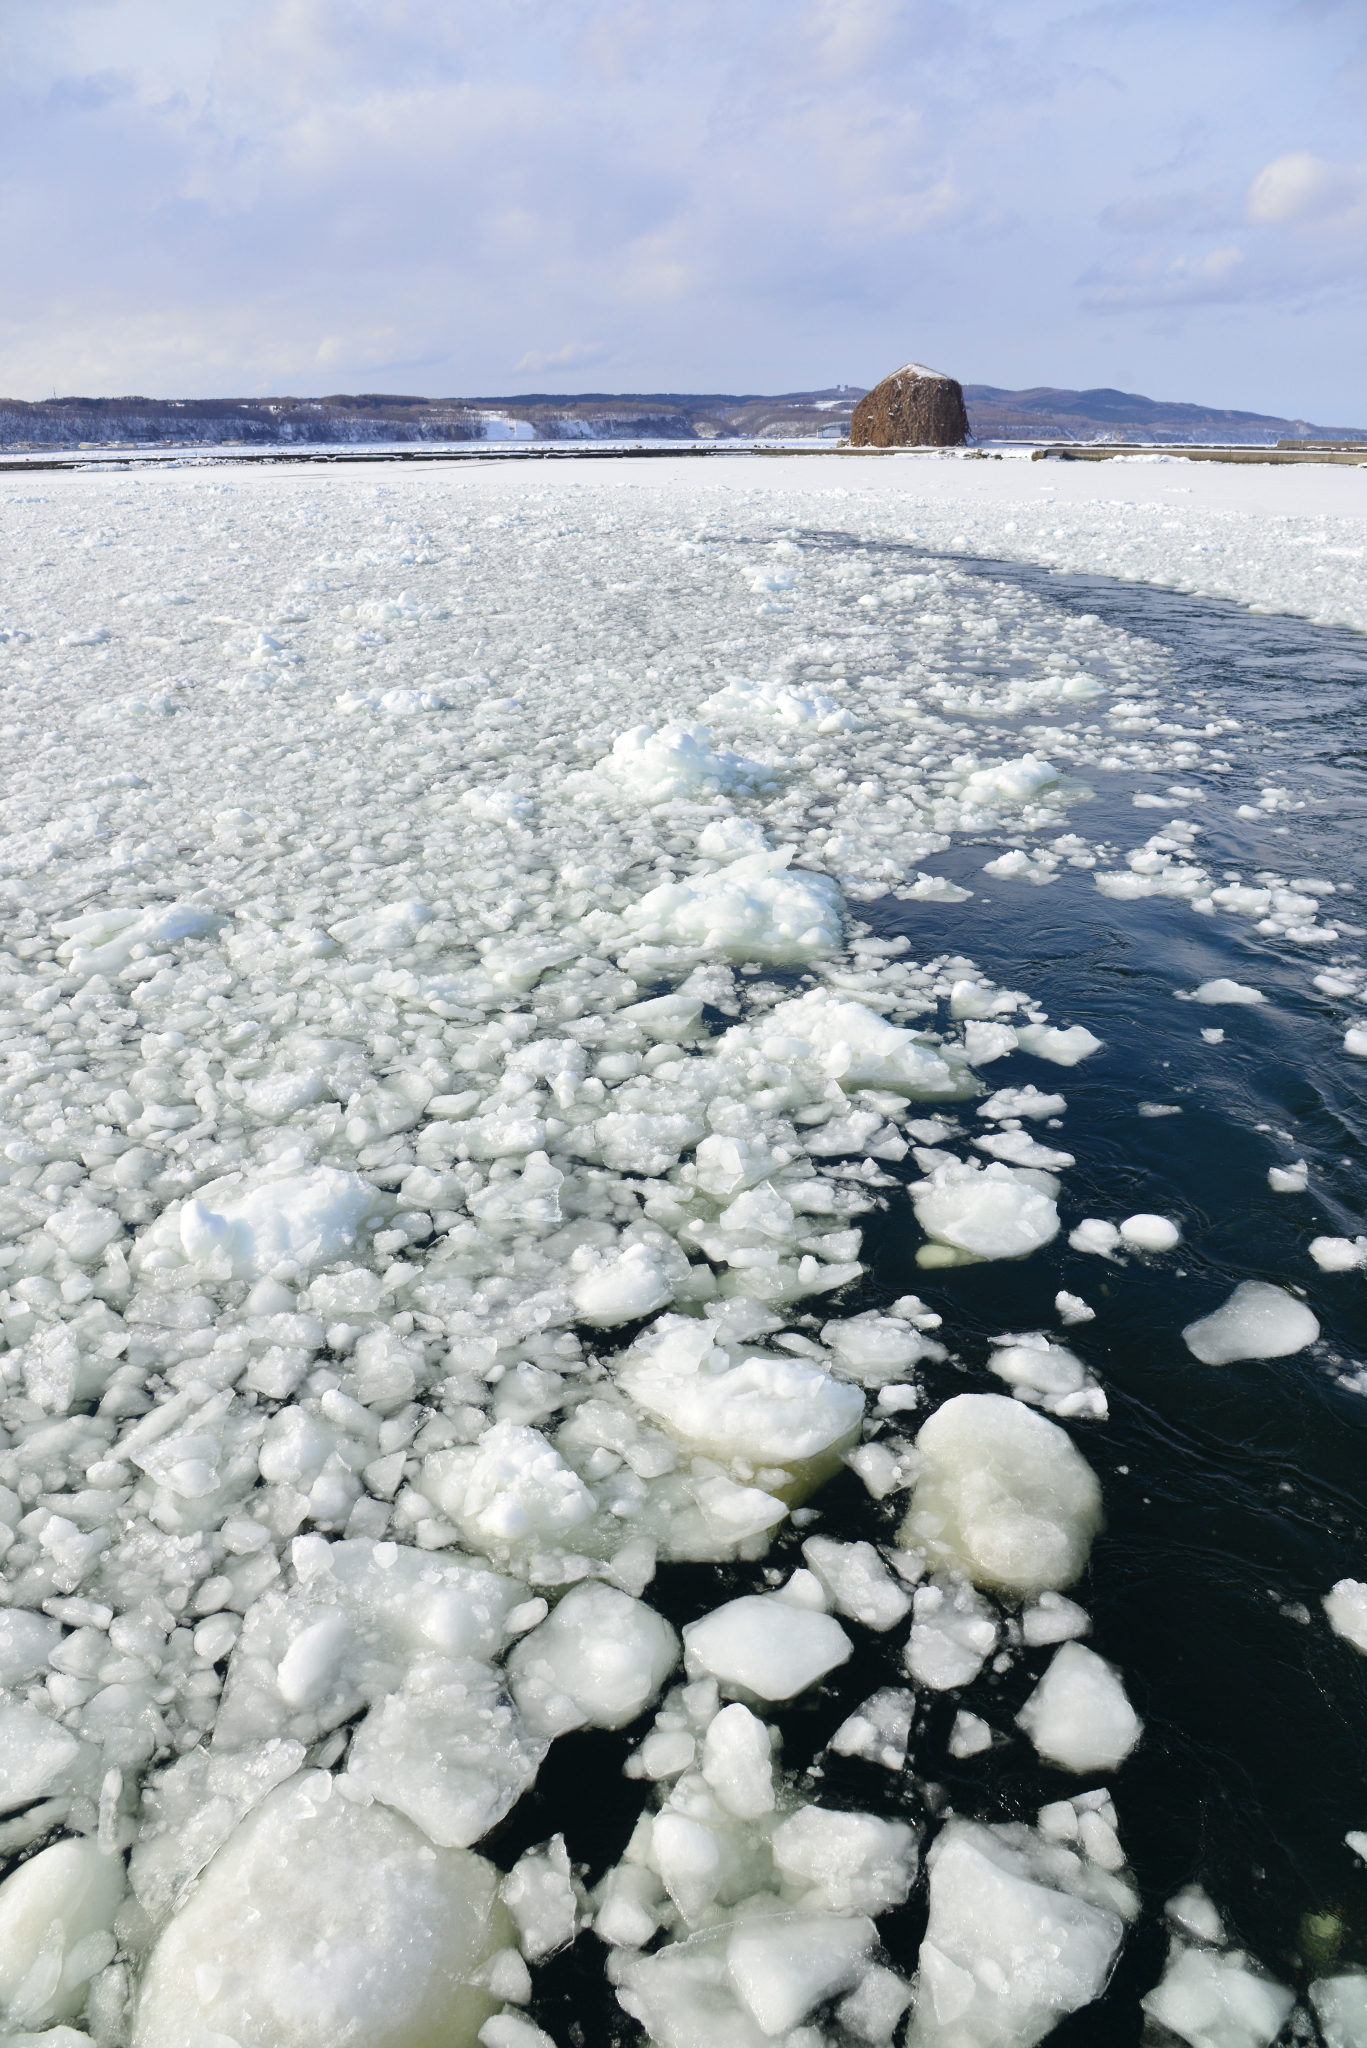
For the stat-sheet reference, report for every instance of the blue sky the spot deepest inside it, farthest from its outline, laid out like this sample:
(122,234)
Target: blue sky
(474,196)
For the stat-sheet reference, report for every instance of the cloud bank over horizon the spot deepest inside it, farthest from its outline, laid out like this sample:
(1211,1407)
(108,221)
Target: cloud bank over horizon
(308,196)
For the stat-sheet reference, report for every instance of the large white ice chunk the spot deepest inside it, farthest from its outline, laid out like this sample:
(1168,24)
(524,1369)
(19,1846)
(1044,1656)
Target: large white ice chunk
(847,1862)
(27,1640)
(360,1615)
(38,1757)
(859,1048)
(449,1750)
(1012,782)
(303,1219)
(322,1922)
(1258,1321)
(745,1986)
(1346,1608)
(755,908)
(765,1647)
(1341,2008)
(509,1488)
(1079,1715)
(770,1411)
(1003,1494)
(1005,1956)
(781,1967)
(622,1288)
(55,1915)
(597,1661)
(677,761)
(1217,2001)
(992,1212)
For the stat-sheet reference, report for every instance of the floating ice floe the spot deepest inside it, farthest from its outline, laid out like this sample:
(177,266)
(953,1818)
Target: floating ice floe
(777,703)
(1002,1495)
(755,908)
(1345,1605)
(1222,990)
(1338,1254)
(677,760)
(1258,1321)
(325,1916)
(984,1212)
(1079,1715)
(1048,1375)
(1021,1931)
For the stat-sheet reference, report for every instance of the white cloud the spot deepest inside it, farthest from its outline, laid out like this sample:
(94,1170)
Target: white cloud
(1299,186)
(575,355)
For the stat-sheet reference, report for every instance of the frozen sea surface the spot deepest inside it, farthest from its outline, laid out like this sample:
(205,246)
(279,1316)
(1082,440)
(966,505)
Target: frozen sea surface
(681,1245)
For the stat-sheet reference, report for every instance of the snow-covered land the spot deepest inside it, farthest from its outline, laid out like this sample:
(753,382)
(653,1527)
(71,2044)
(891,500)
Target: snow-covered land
(450,1074)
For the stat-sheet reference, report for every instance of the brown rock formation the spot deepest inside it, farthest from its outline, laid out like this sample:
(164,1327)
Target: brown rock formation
(913,408)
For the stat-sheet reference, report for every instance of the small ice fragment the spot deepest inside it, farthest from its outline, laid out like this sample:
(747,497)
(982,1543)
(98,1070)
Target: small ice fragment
(874,2007)
(1144,1233)
(738,1762)
(1033,1362)
(953,1634)
(1213,1035)
(1079,1715)
(1093,1235)
(1357,1842)
(1053,1619)
(1257,1321)
(880,1730)
(1072,1308)
(969,1736)
(1355,1041)
(1155,1109)
(539,1893)
(1193,1911)
(513,2030)
(1289,1180)
(857,1581)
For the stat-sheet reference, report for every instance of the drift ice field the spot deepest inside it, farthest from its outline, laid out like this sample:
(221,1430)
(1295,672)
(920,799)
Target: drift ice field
(681,1257)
